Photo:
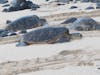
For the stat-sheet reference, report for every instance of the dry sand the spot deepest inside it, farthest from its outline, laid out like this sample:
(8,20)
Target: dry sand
(9,52)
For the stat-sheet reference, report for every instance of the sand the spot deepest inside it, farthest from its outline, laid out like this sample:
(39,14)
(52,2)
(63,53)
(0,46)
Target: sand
(9,52)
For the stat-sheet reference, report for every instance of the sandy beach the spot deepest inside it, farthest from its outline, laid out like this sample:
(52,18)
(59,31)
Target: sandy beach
(16,60)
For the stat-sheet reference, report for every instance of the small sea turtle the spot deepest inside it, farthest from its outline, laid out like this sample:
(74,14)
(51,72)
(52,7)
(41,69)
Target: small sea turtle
(47,35)
(21,5)
(69,20)
(27,22)
(73,7)
(4,33)
(90,7)
(85,24)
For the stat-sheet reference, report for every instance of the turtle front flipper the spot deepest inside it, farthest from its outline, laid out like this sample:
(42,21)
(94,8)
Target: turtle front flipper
(20,44)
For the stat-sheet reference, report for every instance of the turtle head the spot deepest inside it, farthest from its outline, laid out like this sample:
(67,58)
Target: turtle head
(43,22)
(75,36)
(8,22)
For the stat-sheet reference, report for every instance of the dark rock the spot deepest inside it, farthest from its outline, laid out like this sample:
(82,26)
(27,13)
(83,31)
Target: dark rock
(21,5)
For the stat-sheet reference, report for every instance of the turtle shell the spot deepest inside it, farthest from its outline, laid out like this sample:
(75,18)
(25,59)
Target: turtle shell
(27,22)
(46,34)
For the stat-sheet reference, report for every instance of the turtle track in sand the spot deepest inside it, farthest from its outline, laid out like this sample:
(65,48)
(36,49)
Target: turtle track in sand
(62,16)
(54,62)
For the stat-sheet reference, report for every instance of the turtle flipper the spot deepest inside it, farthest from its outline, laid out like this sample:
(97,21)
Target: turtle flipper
(20,44)
(63,39)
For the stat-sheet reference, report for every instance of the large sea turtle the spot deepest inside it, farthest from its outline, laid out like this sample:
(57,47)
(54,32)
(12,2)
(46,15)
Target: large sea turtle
(48,35)
(23,23)
(85,24)
(21,5)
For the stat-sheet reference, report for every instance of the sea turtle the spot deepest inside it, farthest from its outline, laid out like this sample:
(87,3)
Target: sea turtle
(73,7)
(90,7)
(48,35)
(21,5)
(24,23)
(85,24)
(4,33)
(69,20)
